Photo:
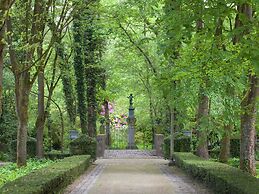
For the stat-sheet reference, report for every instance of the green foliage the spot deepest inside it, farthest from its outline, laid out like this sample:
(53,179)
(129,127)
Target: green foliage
(181,144)
(83,145)
(235,147)
(56,154)
(221,177)
(31,148)
(11,172)
(50,179)
(234,162)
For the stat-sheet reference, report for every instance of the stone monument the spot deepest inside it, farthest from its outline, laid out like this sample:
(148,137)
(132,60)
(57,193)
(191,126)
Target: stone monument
(131,125)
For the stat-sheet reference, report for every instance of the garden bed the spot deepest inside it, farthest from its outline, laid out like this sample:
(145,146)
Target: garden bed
(50,179)
(221,177)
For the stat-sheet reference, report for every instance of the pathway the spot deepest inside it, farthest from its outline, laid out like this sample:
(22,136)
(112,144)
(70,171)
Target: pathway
(134,176)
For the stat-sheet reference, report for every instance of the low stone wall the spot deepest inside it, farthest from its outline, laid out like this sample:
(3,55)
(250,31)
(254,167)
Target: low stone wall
(100,145)
(159,140)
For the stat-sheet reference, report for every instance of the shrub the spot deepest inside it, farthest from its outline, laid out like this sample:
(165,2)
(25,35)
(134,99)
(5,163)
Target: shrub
(222,178)
(50,179)
(31,148)
(166,147)
(181,144)
(11,172)
(56,154)
(84,145)
(235,147)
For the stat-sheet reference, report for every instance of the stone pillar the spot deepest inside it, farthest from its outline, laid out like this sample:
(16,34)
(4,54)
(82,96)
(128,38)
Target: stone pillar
(159,140)
(101,145)
(131,125)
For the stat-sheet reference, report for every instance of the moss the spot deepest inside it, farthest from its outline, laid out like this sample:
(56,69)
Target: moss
(51,179)
(222,178)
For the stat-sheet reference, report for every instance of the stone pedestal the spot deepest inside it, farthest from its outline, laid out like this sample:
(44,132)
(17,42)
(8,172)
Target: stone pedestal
(131,129)
(101,145)
(159,140)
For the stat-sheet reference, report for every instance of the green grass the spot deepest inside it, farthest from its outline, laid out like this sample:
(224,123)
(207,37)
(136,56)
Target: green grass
(257,169)
(11,172)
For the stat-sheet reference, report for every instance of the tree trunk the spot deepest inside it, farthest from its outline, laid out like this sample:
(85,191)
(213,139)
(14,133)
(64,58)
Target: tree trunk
(248,104)
(22,91)
(68,88)
(49,123)
(203,114)
(225,144)
(151,114)
(3,8)
(107,123)
(248,131)
(1,66)
(41,116)
(91,99)
(80,74)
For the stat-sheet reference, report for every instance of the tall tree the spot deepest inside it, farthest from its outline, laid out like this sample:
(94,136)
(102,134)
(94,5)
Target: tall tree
(4,7)
(31,18)
(67,82)
(244,20)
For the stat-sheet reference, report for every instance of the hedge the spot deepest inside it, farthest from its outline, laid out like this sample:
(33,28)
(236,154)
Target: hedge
(50,179)
(222,178)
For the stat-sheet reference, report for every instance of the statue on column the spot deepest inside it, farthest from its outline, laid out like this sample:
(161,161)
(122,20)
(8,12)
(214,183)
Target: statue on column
(131,125)
(131,100)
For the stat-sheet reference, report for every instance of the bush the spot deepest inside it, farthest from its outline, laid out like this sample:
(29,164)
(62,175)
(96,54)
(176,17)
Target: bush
(166,147)
(10,171)
(181,144)
(56,154)
(222,178)
(84,145)
(50,179)
(31,148)
(235,147)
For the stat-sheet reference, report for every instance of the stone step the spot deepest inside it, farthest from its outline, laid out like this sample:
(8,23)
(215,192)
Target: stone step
(130,154)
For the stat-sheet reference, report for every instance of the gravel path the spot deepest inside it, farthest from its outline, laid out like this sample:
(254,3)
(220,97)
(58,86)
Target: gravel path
(135,176)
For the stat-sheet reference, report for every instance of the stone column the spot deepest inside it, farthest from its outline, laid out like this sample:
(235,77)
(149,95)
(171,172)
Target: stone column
(131,126)
(100,145)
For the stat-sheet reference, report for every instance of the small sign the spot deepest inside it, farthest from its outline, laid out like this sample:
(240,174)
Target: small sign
(187,133)
(73,134)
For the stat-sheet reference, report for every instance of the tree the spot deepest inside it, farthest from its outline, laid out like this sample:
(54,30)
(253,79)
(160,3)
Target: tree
(80,69)
(248,105)
(4,7)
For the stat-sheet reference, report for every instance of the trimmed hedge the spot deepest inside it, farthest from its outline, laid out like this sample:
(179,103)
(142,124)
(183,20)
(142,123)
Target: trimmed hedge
(223,178)
(50,179)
